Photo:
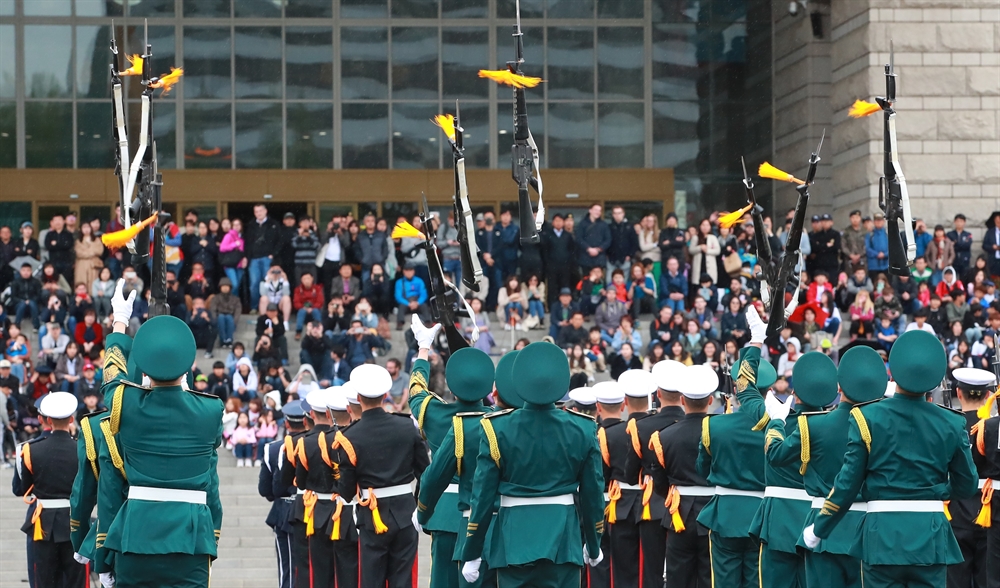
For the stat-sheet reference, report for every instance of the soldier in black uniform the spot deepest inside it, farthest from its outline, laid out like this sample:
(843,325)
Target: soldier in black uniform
(345,538)
(987,444)
(46,467)
(280,496)
(380,456)
(653,537)
(287,460)
(676,476)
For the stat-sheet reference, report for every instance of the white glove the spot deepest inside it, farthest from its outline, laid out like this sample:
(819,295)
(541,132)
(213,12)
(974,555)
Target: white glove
(810,537)
(80,559)
(758,328)
(416,524)
(424,335)
(470,571)
(592,562)
(121,307)
(776,409)
(107,580)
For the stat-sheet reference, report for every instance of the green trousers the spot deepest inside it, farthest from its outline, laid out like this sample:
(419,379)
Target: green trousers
(443,572)
(904,576)
(541,574)
(832,569)
(172,570)
(780,569)
(734,561)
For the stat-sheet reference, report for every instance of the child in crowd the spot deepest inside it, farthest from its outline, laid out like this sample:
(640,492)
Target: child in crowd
(267,431)
(237,353)
(244,441)
(232,411)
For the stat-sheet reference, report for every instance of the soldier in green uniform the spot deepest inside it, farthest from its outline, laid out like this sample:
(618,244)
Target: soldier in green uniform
(816,446)
(537,461)
(435,418)
(909,456)
(730,457)
(173,483)
(470,374)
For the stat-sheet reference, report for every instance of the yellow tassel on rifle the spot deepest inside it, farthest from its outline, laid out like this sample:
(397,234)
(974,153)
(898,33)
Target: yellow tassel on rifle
(861,109)
(985,518)
(447,124)
(405,229)
(135,65)
(947,511)
(119,239)
(766,170)
(985,410)
(735,217)
(507,78)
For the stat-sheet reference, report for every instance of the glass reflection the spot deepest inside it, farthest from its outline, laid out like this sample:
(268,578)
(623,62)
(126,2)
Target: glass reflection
(8,134)
(619,63)
(415,62)
(7,80)
(95,147)
(207,135)
(203,8)
(309,8)
(258,62)
(47,52)
(365,136)
(476,122)
(99,8)
(675,62)
(165,135)
(258,8)
(415,8)
(206,62)
(571,8)
(48,8)
(675,135)
(529,9)
(364,63)
(92,58)
(464,51)
(362,8)
(571,63)
(308,62)
(416,142)
(505,132)
(162,40)
(48,134)
(464,8)
(621,135)
(534,58)
(258,135)
(571,136)
(151,8)
(6,7)
(309,135)
(620,8)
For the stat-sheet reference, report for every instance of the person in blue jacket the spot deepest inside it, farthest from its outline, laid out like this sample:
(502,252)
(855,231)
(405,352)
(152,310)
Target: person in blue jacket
(411,296)
(877,246)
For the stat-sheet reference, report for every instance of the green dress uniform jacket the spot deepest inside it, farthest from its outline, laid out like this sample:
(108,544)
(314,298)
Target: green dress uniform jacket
(534,452)
(902,448)
(147,447)
(84,497)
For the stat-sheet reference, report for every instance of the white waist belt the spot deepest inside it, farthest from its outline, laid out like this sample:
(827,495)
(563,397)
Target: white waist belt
(996,483)
(388,491)
(512,501)
(856,507)
(53,502)
(625,486)
(319,495)
(695,490)
(607,497)
(905,506)
(341,500)
(723,491)
(451,489)
(166,494)
(467,514)
(787,493)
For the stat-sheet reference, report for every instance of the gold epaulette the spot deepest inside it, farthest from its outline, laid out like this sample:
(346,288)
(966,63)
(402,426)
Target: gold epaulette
(866,434)
(465,415)
(804,453)
(706,438)
(109,439)
(88,442)
(491,438)
(495,414)
(582,414)
(204,394)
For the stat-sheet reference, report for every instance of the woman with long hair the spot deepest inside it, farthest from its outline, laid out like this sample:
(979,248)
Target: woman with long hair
(231,255)
(704,249)
(834,323)
(649,244)
(678,353)
(656,355)
(511,303)
(624,361)
(88,250)
(580,369)
(862,316)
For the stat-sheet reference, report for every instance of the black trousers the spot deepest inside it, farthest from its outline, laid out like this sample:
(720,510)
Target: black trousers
(300,555)
(689,563)
(972,571)
(387,559)
(55,567)
(204,338)
(283,549)
(346,554)
(322,560)
(993,551)
(599,576)
(625,552)
(654,553)
(556,278)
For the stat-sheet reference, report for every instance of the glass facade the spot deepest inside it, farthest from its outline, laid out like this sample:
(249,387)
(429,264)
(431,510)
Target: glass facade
(349,84)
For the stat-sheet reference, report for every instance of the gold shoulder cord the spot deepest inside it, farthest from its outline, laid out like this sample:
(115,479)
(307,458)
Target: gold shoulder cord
(456,423)
(706,439)
(116,409)
(804,434)
(88,441)
(423,413)
(109,438)
(491,437)
(863,427)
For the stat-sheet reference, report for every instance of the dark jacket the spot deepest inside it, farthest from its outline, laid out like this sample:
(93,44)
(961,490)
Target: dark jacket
(624,241)
(593,234)
(261,239)
(673,243)
(305,249)
(60,247)
(558,250)
(207,255)
(30,248)
(371,249)
(22,290)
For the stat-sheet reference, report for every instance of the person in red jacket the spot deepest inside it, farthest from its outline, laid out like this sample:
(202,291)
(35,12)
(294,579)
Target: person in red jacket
(89,335)
(820,284)
(307,300)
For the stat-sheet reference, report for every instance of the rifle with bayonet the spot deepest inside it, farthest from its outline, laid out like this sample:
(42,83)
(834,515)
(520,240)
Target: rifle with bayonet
(893,198)
(472,271)
(524,160)
(768,269)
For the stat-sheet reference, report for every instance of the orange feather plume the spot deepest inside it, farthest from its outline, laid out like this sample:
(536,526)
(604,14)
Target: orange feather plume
(135,65)
(507,78)
(861,109)
(119,239)
(447,124)
(167,81)
(735,217)
(766,170)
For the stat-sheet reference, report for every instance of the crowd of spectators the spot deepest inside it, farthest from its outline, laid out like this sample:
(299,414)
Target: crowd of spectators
(615,293)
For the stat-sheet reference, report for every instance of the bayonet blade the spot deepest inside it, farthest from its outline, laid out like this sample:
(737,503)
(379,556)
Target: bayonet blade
(145,33)
(892,59)
(821,138)
(517,11)
(425,210)
(114,44)
(744,164)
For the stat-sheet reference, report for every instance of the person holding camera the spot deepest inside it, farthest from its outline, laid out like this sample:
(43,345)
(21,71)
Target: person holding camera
(307,300)
(269,326)
(346,286)
(378,290)
(359,343)
(202,326)
(304,246)
(276,291)
(336,318)
(334,250)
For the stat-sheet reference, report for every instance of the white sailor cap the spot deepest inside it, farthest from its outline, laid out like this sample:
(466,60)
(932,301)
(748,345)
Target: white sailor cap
(890,389)
(371,381)
(974,377)
(637,383)
(668,374)
(583,396)
(58,405)
(609,393)
(699,381)
(350,394)
(336,398)
(317,400)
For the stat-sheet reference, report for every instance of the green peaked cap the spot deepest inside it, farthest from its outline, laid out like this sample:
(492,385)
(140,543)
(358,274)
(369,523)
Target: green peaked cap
(541,371)
(918,362)
(505,381)
(469,374)
(862,375)
(815,379)
(766,376)
(164,348)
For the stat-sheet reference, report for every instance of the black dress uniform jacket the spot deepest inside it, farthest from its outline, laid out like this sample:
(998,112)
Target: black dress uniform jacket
(680,455)
(47,467)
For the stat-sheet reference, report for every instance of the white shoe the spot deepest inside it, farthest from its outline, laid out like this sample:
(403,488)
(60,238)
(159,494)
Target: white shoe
(506,326)
(256,464)
(286,325)
(240,463)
